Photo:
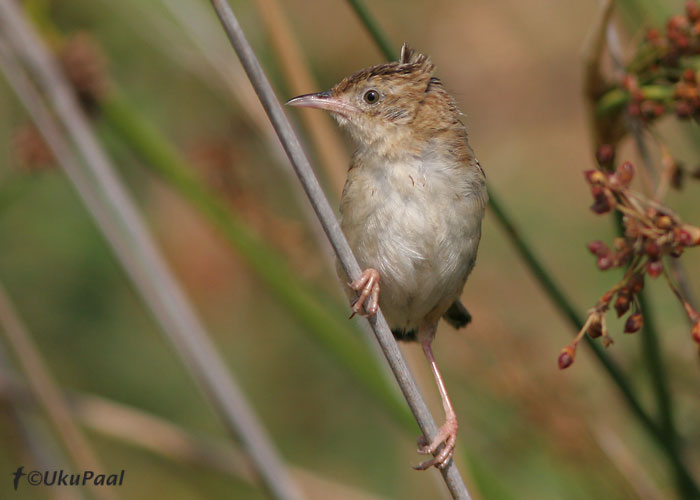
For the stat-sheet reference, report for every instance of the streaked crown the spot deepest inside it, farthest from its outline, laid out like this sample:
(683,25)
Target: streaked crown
(394,101)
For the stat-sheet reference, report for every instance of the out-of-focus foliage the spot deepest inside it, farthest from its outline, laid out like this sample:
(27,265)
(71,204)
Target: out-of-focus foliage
(514,68)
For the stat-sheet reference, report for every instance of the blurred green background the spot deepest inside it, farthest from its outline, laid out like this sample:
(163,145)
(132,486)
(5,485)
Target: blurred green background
(531,431)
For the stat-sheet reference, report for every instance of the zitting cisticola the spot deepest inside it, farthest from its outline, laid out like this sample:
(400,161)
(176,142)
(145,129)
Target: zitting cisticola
(412,204)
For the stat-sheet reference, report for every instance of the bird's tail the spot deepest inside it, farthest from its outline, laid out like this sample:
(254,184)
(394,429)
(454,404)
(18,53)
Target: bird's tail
(457,315)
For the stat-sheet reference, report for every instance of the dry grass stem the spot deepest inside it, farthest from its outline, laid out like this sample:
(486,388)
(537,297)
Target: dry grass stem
(594,83)
(48,393)
(626,462)
(42,448)
(171,441)
(295,67)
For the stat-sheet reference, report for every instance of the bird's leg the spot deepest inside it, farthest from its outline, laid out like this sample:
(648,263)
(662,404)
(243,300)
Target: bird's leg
(368,286)
(447,434)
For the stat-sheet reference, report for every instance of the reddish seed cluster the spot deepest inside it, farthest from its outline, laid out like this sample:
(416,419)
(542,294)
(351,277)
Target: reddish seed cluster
(662,77)
(566,357)
(680,38)
(639,106)
(84,64)
(686,95)
(651,233)
(605,155)
(685,99)
(651,230)
(658,62)
(604,186)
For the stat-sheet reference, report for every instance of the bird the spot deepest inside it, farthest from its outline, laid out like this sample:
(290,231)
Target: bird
(411,208)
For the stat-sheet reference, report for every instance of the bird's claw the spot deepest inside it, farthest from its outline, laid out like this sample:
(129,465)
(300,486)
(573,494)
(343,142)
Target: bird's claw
(447,438)
(368,299)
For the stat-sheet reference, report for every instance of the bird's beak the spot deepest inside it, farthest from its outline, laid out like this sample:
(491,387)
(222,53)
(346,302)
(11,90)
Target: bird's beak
(322,100)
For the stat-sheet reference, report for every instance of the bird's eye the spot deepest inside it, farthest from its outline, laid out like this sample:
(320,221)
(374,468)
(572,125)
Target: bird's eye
(371,96)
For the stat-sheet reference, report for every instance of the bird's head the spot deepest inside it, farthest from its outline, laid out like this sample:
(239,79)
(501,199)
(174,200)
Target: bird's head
(387,103)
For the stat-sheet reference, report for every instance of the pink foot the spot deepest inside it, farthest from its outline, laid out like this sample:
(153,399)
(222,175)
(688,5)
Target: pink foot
(368,286)
(447,435)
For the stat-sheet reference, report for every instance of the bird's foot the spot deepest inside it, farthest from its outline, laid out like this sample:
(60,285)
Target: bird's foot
(368,286)
(446,436)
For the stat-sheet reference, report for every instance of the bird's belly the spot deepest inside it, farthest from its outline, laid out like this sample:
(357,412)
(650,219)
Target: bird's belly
(423,245)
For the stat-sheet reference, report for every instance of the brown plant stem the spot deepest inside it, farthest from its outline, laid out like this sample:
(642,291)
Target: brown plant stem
(331,151)
(39,444)
(593,82)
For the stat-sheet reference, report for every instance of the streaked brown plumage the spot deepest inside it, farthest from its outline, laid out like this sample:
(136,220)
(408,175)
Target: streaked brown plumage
(412,205)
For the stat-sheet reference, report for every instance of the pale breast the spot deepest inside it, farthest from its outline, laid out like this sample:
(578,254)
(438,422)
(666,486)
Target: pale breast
(418,222)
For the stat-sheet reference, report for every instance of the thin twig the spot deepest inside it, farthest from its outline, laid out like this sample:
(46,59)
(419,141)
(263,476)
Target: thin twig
(330,224)
(668,170)
(134,246)
(650,178)
(669,167)
(48,393)
(625,461)
(681,276)
(650,340)
(651,349)
(687,487)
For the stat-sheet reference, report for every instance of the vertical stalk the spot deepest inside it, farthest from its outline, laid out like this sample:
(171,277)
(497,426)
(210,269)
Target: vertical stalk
(375,31)
(651,351)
